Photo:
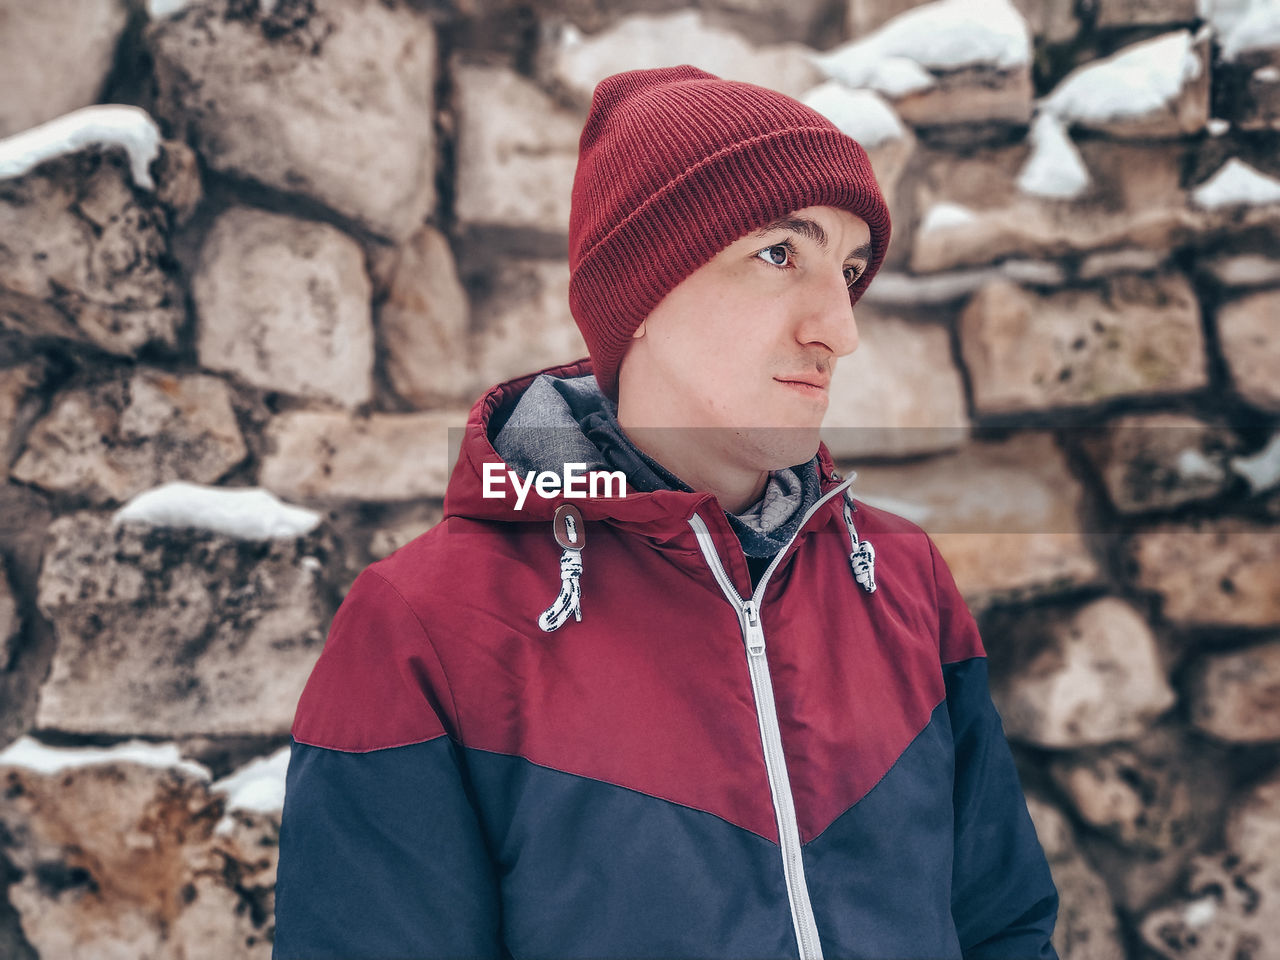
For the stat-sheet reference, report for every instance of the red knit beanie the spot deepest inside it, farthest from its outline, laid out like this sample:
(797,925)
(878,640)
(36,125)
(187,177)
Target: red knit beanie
(674,165)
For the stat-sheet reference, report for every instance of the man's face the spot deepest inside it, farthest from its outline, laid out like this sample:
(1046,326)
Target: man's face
(748,342)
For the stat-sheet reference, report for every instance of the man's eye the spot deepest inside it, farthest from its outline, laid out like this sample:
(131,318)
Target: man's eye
(778,255)
(851,275)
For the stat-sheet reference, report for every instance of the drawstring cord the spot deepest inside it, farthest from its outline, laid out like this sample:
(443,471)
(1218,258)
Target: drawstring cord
(570,535)
(863,557)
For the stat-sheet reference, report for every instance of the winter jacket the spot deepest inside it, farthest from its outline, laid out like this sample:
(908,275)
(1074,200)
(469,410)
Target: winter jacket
(691,769)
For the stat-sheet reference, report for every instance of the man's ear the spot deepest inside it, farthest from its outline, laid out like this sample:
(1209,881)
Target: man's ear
(639,331)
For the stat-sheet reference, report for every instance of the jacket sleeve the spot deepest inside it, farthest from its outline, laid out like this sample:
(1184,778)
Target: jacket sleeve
(381,851)
(1003,899)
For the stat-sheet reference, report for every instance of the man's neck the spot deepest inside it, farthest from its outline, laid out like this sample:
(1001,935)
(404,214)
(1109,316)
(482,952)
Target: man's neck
(684,454)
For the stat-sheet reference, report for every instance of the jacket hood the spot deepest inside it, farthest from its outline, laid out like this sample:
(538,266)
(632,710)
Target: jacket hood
(662,513)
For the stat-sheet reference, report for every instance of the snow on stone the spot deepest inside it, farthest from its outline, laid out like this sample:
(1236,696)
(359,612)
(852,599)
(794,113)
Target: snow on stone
(1258,29)
(1224,15)
(1246,270)
(1036,272)
(1194,465)
(1267,74)
(1217,126)
(31,754)
(258,786)
(1200,912)
(109,125)
(943,216)
(245,513)
(943,35)
(1236,184)
(1137,80)
(1055,168)
(861,114)
(1262,470)
(159,9)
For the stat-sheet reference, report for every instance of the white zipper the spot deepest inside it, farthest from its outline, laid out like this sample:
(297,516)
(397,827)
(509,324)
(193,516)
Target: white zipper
(775,762)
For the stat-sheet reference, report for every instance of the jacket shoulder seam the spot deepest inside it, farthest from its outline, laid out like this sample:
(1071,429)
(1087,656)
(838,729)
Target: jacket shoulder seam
(363,750)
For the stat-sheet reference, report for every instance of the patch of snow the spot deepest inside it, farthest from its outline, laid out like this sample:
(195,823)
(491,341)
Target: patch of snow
(1131,260)
(943,35)
(246,513)
(1038,272)
(1217,126)
(108,125)
(1055,168)
(31,754)
(258,786)
(1236,184)
(1194,465)
(1224,15)
(861,114)
(1262,470)
(1258,29)
(159,9)
(1246,270)
(904,289)
(898,77)
(1138,80)
(1200,912)
(944,216)
(1267,74)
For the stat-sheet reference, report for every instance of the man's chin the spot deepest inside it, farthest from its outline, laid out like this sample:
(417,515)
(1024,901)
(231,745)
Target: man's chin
(773,448)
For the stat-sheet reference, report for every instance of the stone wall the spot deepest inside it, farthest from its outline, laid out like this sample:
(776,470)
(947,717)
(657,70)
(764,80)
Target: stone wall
(354,220)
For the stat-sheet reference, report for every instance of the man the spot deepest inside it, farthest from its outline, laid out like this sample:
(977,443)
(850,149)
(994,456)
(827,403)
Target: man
(733,713)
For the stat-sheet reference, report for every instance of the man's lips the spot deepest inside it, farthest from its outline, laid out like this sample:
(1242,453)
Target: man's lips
(815,381)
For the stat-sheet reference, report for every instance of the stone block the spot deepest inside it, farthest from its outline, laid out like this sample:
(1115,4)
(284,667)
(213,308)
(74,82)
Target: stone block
(332,102)
(1135,199)
(1223,572)
(522,321)
(1159,795)
(1005,515)
(1134,336)
(1229,903)
(1087,928)
(1144,13)
(1236,696)
(317,455)
(899,394)
(118,857)
(284,304)
(516,151)
(47,70)
(112,440)
(1247,332)
(173,632)
(87,256)
(1157,461)
(424,324)
(1092,675)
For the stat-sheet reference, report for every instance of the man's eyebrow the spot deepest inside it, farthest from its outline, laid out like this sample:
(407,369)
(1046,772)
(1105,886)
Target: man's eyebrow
(811,230)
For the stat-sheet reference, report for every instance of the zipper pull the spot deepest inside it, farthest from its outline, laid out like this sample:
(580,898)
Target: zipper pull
(754,632)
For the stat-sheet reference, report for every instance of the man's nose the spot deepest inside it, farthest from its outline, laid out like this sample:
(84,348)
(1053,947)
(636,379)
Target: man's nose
(831,321)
